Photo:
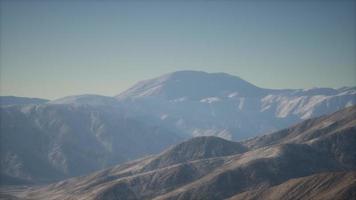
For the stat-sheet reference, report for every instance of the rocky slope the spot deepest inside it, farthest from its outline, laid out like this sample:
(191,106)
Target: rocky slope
(324,186)
(320,151)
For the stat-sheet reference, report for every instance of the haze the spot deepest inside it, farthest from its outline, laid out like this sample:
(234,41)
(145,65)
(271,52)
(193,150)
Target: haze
(51,49)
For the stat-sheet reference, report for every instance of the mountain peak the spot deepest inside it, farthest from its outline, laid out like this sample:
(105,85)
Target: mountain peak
(193,85)
(202,147)
(193,73)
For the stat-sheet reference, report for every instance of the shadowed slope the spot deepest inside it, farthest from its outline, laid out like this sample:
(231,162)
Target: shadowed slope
(41,143)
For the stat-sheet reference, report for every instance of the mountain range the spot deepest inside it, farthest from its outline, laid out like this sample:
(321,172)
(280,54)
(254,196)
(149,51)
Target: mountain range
(61,139)
(314,159)
(44,141)
(200,103)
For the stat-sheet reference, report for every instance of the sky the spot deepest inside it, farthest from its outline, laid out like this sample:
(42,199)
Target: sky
(51,49)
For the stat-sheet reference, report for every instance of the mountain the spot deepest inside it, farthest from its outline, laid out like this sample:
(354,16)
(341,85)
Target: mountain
(76,135)
(199,103)
(12,100)
(318,153)
(72,136)
(194,85)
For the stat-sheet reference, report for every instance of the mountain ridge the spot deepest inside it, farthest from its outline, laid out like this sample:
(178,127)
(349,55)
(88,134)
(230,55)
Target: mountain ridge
(15,100)
(85,99)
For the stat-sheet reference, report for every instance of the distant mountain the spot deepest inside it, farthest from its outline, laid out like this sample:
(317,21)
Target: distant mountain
(12,100)
(193,85)
(200,103)
(311,160)
(72,136)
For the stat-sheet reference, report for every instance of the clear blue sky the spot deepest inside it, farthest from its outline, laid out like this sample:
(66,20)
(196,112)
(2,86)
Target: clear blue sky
(54,48)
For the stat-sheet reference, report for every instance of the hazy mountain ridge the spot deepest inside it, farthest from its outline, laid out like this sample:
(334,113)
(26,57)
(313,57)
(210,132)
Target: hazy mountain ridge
(65,140)
(87,99)
(13,100)
(259,167)
(200,103)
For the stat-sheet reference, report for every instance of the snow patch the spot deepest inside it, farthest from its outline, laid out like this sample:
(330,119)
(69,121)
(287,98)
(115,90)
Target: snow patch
(234,94)
(223,133)
(164,116)
(210,100)
(182,99)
